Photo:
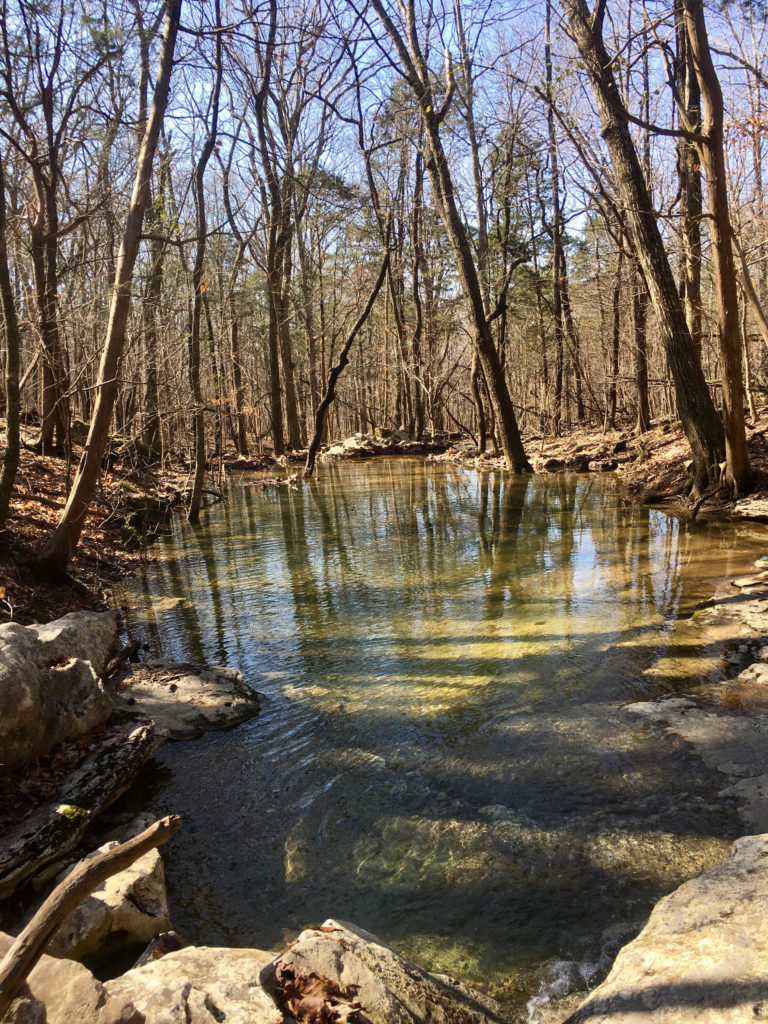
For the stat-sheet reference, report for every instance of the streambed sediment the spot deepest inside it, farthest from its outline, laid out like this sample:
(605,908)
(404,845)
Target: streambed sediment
(444,754)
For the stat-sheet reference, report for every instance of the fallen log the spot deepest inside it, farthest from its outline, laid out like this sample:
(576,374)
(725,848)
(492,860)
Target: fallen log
(55,828)
(129,653)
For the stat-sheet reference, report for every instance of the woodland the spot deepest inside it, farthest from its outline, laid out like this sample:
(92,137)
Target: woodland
(254,226)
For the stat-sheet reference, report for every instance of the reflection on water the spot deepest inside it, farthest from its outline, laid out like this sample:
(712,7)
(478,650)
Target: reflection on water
(443,758)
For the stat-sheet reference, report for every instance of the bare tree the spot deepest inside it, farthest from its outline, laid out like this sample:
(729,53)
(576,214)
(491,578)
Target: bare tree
(61,544)
(697,411)
(415,70)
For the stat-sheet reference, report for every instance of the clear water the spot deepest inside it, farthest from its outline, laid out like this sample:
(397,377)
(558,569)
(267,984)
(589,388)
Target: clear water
(443,756)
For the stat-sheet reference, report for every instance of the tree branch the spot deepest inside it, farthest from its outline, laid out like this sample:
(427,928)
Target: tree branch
(86,876)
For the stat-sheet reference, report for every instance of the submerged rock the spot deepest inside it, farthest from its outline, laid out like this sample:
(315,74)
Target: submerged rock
(50,688)
(702,955)
(185,700)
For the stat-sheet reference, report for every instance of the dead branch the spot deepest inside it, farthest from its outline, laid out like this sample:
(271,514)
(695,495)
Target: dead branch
(128,653)
(86,876)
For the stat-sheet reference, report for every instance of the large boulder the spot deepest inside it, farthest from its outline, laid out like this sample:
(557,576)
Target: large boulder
(335,972)
(128,909)
(199,985)
(346,967)
(702,955)
(185,700)
(50,688)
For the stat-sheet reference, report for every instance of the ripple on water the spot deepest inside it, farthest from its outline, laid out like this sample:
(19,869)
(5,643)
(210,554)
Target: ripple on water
(442,757)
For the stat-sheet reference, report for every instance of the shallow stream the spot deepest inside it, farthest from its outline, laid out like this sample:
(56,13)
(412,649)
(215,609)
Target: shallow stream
(443,757)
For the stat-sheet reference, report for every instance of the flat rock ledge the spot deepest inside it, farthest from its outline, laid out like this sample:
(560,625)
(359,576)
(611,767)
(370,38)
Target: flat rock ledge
(185,700)
(729,729)
(701,958)
(56,827)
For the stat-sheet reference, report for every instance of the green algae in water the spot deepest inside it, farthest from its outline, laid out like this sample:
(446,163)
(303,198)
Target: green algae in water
(443,758)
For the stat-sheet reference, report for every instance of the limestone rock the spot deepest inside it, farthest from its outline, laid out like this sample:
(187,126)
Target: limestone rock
(89,636)
(56,827)
(390,989)
(200,985)
(184,700)
(702,955)
(129,909)
(49,685)
(734,745)
(64,992)
(753,507)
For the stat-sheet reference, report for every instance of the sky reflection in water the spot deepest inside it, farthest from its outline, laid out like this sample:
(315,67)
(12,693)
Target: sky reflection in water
(444,757)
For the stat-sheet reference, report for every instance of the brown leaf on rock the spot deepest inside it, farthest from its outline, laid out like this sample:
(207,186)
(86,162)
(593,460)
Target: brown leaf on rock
(312,999)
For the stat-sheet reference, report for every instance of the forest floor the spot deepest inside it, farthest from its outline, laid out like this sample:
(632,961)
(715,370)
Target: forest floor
(649,467)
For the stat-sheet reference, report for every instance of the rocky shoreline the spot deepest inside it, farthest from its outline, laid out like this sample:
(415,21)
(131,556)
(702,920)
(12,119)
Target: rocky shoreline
(698,958)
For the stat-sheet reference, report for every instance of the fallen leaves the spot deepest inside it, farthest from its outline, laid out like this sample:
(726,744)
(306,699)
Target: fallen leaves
(311,999)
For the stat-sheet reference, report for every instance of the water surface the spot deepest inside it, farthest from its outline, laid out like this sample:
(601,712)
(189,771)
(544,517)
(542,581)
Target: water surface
(443,757)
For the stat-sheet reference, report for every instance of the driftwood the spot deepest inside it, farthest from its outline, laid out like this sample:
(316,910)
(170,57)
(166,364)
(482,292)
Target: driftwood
(87,875)
(128,653)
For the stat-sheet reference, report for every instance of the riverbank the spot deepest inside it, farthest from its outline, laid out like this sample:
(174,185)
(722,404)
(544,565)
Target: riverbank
(135,502)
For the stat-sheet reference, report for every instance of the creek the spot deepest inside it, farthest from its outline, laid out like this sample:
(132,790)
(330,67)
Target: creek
(444,756)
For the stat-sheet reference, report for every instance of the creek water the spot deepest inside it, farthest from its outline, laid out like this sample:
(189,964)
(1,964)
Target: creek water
(444,756)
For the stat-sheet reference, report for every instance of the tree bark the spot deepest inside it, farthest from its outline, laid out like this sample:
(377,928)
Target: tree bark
(738,473)
(12,347)
(61,544)
(700,419)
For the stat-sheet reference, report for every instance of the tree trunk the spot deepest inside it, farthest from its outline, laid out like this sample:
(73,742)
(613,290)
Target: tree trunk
(12,346)
(690,181)
(151,435)
(738,473)
(615,339)
(60,546)
(639,329)
(556,231)
(443,192)
(198,286)
(336,371)
(274,247)
(697,411)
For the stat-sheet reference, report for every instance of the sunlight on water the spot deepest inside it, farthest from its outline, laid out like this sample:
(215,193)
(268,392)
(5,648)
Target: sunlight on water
(443,757)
